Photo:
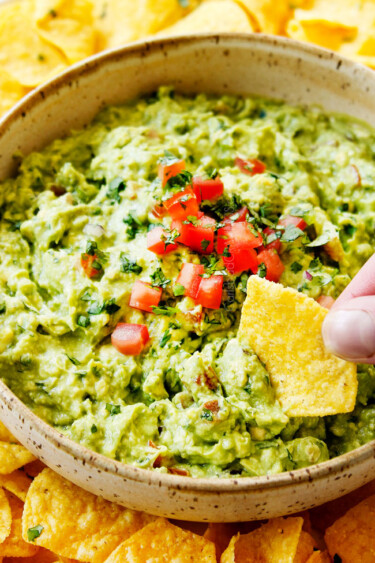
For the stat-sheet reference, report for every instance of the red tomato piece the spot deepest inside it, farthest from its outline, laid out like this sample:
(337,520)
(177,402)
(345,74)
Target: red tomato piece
(88,263)
(236,244)
(190,278)
(273,264)
(326,301)
(275,244)
(291,220)
(182,204)
(166,171)
(198,236)
(207,189)
(210,292)
(156,241)
(158,211)
(250,166)
(144,297)
(130,339)
(237,216)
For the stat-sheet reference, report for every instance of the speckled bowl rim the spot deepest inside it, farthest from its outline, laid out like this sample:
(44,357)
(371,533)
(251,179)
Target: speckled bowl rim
(101,462)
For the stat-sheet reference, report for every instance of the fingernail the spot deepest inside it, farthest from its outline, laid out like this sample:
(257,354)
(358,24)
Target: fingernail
(349,333)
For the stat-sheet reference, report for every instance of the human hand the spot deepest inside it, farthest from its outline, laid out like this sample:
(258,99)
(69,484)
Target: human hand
(349,328)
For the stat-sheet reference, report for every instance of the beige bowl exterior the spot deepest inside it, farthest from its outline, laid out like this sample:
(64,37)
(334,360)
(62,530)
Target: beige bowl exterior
(249,64)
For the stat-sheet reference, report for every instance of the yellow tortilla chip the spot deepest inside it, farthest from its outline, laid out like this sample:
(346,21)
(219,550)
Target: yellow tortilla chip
(14,546)
(220,535)
(5,516)
(42,556)
(23,54)
(319,557)
(68,25)
(6,436)
(351,537)
(268,16)
(162,541)
(305,548)
(283,327)
(12,457)
(17,483)
(216,16)
(10,92)
(273,542)
(94,526)
(121,21)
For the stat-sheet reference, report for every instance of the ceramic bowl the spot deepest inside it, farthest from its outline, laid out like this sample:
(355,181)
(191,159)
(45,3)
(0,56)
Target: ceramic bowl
(248,64)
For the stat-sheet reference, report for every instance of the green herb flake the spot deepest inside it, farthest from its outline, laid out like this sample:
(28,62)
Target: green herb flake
(296,267)
(165,338)
(95,308)
(34,532)
(207,415)
(74,361)
(94,429)
(116,186)
(204,244)
(291,233)
(178,290)
(113,409)
(158,279)
(262,270)
(83,321)
(111,306)
(129,266)
(168,311)
(3,308)
(91,248)
(226,252)
(134,225)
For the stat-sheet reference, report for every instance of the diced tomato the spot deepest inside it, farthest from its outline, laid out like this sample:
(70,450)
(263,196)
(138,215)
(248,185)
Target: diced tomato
(326,301)
(178,471)
(295,221)
(275,244)
(182,204)
(90,265)
(158,211)
(210,292)
(190,278)
(236,244)
(237,216)
(166,171)
(144,297)
(250,166)
(156,241)
(273,264)
(207,189)
(130,339)
(198,236)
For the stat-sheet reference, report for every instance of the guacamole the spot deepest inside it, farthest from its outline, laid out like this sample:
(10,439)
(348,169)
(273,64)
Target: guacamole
(125,252)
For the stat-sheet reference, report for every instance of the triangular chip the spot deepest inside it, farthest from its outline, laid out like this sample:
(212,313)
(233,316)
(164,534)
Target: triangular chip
(5,435)
(273,542)
(12,457)
(14,545)
(216,16)
(10,92)
(5,516)
(162,541)
(268,16)
(74,523)
(17,483)
(283,327)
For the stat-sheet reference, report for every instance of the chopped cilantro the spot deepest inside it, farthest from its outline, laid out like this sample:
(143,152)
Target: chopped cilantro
(165,338)
(168,158)
(74,361)
(94,429)
(158,279)
(95,308)
(179,181)
(97,265)
(178,290)
(34,532)
(127,265)
(262,270)
(296,267)
(86,296)
(41,57)
(210,262)
(170,238)
(349,230)
(320,240)
(83,320)
(247,387)
(169,311)
(116,186)
(207,415)
(191,220)
(133,225)
(204,244)
(226,252)
(298,211)
(113,409)
(2,307)
(212,173)
(110,306)
(91,248)
(291,233)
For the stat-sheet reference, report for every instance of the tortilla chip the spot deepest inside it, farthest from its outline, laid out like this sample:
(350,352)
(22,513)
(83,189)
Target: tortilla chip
(14,546)
(325,515)
(5,516)
(216,16)
(305,548)
(11,92)
(273,542)
(12,457)
(42,556)
(351,537)
(143,18)
(34,468)
(268,16)
(162,541)
(23,54)
(319,557)
(94,526)
(67,25)
(6,436)
(220,535)
(283,327)
(17,483)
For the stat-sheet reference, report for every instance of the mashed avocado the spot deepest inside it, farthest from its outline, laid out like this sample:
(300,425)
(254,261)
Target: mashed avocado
(193,401)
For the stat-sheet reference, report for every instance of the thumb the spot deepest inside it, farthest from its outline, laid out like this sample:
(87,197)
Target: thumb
(349,330)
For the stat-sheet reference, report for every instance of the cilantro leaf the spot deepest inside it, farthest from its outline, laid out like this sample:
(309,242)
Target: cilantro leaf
(116,186)
(74,361)
(291,233)
(296,267)
(113,409)
(178,290)
(207,415)
(94,429)
(204,244)
(158,279)
(83,321)
(111,306)
(34,532)
(262,270)
(165,338)
(169,311)
(133,225)
(127,265)
(226,252)
(179,181)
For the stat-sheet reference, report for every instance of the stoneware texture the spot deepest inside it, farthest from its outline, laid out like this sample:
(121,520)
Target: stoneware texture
(248,64)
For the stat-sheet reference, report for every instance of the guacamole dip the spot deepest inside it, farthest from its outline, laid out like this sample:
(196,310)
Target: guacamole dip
(125,252)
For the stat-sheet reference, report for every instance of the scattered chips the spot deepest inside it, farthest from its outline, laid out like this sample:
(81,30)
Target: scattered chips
(17,483)
(14,545)
(305,548)
(5,517)
(215,16)
(6,436)
(268,16)
(61,510)
(273,542)
(179,545)
(352,537)
(12,457)
(283,327)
